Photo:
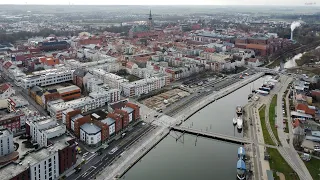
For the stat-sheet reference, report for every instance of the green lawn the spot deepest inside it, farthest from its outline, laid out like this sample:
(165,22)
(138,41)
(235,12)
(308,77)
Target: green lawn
(314,167)
(277,163)
(266,135)
(272,110)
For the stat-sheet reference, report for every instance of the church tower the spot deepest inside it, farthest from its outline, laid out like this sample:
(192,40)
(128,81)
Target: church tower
(150,22)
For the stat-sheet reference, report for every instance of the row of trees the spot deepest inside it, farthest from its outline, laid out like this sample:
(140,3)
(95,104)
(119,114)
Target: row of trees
(23,35)
(309,57)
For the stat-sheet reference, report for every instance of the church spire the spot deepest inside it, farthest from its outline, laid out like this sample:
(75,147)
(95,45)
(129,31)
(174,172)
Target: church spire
(150,15)
(150,22)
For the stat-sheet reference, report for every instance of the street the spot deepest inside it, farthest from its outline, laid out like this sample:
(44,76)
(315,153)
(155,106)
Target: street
(94,165)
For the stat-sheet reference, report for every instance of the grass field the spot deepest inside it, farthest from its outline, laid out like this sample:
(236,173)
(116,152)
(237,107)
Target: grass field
(277,163)
(314,167)
(272,117)
(266,135)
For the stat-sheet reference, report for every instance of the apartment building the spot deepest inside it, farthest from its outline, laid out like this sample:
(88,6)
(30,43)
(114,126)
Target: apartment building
(15,121)
(90,134)
(93,101)
(42,129)
(6,142)
(143,86)
(16,102)
(113,80)
(47,77)
(6,91)
(43,163)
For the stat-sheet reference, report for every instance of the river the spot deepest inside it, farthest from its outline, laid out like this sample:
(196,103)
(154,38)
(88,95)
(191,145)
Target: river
(188,159)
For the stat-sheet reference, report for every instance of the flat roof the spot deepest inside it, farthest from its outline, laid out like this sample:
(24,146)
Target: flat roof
(128,110)
(45,121)
(108,121)
(295,113)
(61,142)
(90,128)
(76,117)
(5,133)
(68,89)
(54,129)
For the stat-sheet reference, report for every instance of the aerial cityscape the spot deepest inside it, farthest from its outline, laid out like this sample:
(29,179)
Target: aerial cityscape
(152,92)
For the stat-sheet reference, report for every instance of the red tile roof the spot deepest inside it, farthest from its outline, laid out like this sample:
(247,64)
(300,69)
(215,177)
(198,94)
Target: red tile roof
(306,109)
(296,123)
(7,65)
(4,87)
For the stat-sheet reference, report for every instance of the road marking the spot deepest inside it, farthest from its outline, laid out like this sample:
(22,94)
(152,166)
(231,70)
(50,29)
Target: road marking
(91,157)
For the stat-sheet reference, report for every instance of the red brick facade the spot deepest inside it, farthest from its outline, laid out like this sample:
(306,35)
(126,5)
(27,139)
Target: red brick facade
(67,156)
(23,175)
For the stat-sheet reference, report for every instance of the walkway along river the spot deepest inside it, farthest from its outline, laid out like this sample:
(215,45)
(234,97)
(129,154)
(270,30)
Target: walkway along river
(192,158)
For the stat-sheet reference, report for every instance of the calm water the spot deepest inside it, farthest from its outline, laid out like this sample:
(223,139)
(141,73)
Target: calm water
(204,159)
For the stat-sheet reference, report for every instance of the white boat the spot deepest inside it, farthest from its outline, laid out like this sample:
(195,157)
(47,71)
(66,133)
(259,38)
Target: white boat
(239,110)
(234,121)
(239,123)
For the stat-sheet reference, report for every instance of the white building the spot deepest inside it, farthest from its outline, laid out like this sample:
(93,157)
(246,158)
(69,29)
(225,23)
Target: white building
(6,142)
(112,125)
(143,86)
(112,80)
(93,101)
(43,129)
(44,164)
(90,134)
(6,91)
(16,102)
(47,77)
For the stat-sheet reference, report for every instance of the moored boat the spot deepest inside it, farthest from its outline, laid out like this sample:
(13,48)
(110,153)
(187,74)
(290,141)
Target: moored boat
(239,110)
(239,123)
(234,121)
(241,169)
(241,153)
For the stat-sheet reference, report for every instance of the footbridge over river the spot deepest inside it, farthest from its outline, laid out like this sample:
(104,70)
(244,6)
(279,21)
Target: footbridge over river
(222,137)
(218,136)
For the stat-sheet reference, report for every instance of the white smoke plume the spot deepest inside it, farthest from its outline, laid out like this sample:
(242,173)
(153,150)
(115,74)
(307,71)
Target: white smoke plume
(295,24)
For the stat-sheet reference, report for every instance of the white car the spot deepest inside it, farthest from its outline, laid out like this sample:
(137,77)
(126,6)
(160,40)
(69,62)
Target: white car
(113,150)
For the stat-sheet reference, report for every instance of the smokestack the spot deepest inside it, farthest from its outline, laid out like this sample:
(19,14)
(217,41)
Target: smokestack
(294,25)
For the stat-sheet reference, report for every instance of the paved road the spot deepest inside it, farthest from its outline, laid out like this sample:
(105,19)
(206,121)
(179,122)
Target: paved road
(254,136)
(99,162)
(289,150)
(288,153)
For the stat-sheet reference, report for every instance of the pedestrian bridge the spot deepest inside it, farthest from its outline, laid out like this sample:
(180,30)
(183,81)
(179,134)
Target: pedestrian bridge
(222,137)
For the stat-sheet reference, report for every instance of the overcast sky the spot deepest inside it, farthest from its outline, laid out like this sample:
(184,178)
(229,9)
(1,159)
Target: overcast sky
(162,2)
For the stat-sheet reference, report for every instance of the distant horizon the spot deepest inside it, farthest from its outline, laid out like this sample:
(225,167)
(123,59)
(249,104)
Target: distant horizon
(158,5)
(288,3)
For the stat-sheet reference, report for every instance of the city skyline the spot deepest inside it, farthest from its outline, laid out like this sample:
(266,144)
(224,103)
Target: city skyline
(164,2)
